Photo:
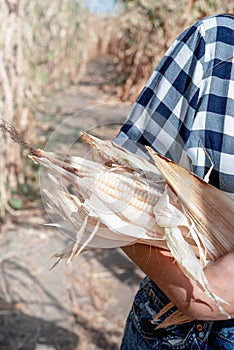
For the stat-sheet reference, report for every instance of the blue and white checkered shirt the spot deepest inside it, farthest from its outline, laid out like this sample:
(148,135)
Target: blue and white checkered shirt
(188,103)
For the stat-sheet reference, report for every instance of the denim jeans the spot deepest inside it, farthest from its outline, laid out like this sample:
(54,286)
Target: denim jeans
(140,332)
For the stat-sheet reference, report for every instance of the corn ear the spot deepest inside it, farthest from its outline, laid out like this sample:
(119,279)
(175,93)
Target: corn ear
(123,198)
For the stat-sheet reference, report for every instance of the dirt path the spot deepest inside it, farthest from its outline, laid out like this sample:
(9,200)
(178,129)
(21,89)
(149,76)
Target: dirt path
(78,306)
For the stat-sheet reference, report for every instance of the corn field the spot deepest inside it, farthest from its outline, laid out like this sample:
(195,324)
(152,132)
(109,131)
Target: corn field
(43,46)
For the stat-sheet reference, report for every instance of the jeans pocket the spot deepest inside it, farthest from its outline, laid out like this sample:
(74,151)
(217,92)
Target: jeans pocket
(148,302)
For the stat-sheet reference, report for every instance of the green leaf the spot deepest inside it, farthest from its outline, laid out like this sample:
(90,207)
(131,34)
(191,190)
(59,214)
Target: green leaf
(44,77)
(17,203)
(50,56)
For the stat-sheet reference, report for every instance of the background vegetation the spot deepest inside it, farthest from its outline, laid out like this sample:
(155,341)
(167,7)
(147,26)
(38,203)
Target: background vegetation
(43,47)
(46,46)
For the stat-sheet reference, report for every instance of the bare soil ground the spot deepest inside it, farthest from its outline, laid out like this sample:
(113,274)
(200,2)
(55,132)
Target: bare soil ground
(82,305)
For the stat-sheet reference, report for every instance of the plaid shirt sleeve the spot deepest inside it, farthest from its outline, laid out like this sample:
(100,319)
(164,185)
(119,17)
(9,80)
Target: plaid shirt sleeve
(187,104)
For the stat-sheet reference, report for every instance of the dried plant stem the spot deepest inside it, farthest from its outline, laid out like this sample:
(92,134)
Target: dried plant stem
(42,48)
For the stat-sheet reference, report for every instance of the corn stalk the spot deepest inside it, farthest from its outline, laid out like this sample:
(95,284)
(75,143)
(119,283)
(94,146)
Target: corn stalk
(55,43)
(42,48)
(12,102)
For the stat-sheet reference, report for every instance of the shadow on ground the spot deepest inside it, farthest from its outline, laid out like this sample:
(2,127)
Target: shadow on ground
(119,266)
(24,332)
(82,306)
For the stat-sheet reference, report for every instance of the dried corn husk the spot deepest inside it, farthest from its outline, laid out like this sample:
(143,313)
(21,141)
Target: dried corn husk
(121,198)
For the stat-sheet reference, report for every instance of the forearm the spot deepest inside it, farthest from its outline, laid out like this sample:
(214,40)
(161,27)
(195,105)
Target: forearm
(159,265)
